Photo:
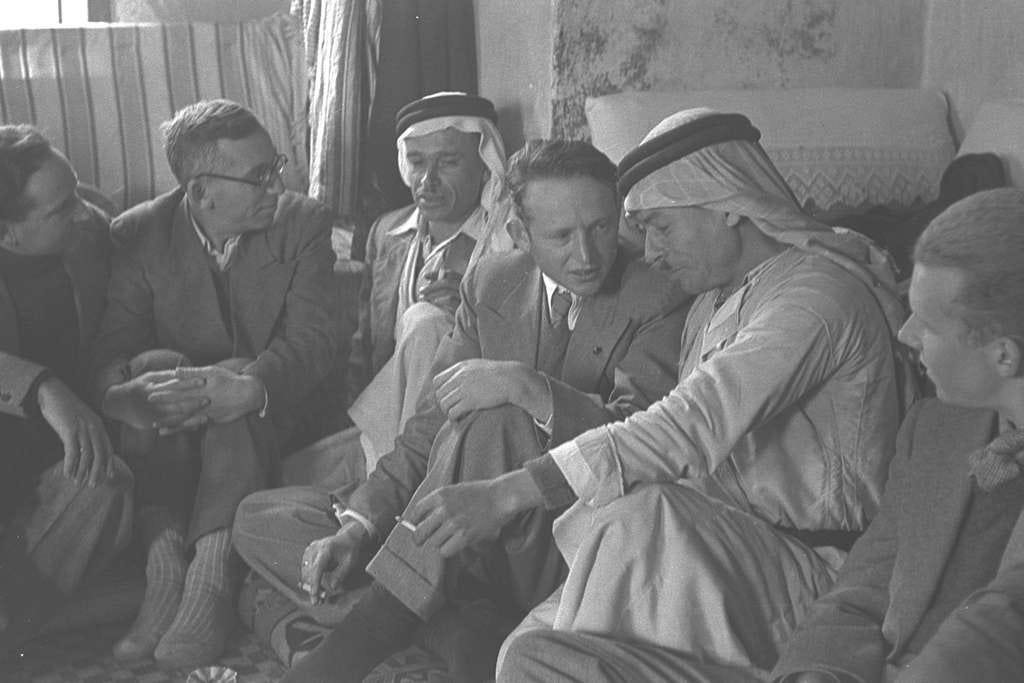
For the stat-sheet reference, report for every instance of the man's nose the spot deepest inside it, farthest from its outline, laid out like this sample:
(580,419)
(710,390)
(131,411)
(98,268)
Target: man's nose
(586,249)
(652,246)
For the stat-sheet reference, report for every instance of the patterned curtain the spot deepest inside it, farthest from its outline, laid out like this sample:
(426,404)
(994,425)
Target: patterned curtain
(342,39)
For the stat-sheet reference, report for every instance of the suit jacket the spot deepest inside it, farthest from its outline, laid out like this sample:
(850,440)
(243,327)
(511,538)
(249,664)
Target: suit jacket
(386,250)
(621,357)
(378,296)
(88,265)
(162,295)
(893,571)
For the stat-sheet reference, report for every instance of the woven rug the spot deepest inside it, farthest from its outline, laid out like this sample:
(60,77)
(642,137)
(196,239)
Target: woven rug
(83,656)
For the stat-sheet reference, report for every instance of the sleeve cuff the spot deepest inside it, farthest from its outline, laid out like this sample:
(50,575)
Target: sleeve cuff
(364,521)
(30,404)
(266,402)
(552,483)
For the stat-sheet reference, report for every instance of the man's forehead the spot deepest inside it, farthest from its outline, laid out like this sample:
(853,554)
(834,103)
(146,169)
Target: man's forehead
(445,140)
(247,152)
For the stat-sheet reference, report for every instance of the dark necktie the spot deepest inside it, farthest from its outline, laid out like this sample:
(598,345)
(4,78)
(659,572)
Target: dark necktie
(997,462)
(561,302)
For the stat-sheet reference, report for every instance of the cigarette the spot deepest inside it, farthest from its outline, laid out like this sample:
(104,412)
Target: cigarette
(406,523)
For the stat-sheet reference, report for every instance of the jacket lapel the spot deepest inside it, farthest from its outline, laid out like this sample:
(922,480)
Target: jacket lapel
(88,267)
(934,510)
(516,321)
(259,289)
(195,307)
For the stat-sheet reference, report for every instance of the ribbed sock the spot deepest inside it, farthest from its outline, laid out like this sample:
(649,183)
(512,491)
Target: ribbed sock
(165,578)
(378,626)
(201,627)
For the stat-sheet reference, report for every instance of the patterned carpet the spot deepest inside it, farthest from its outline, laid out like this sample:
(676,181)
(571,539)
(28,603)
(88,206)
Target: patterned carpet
(84,657)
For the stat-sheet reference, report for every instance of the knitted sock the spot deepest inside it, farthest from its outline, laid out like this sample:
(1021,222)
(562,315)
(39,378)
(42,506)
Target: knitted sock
(200,629)
(378,626)
(165,578)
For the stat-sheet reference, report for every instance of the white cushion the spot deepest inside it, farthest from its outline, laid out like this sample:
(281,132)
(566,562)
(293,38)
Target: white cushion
(837,148)
(998,127)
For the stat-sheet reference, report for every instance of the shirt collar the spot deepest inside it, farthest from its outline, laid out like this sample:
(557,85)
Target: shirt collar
(471,226)
(222,257)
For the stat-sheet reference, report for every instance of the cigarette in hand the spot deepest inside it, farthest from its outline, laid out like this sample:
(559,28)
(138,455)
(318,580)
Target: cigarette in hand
(406,523)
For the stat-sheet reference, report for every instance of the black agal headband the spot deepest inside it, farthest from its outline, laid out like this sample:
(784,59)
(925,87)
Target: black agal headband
(678,142)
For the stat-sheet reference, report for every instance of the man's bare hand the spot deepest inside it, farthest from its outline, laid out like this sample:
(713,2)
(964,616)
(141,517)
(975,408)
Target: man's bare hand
(226,395)
(87,449)
(455,517)
(132,402)
(478,383)
(327,561)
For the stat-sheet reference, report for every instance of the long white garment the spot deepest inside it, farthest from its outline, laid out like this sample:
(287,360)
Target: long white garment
(381,410)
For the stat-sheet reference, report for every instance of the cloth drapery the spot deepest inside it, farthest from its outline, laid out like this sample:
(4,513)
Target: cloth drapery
(342,39)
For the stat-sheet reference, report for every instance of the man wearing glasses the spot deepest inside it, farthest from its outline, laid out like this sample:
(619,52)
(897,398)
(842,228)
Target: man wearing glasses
(218,325)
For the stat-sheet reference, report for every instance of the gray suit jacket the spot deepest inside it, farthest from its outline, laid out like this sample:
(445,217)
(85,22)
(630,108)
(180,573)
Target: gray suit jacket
(621,357)
(888,581)
(162,295)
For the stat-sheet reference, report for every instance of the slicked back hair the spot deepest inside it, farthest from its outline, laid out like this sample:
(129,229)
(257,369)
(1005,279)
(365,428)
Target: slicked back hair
(190,137)
(23,151)
(551,159)
(982,236)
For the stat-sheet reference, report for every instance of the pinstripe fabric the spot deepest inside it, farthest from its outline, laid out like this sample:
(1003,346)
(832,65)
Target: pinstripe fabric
(342,38)
(100,91)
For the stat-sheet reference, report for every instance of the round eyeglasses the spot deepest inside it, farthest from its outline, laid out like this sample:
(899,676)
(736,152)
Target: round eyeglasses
(264,178)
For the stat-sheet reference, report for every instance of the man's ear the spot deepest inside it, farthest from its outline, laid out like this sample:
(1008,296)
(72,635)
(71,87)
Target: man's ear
(518,232)
(1006,353)
(197,194)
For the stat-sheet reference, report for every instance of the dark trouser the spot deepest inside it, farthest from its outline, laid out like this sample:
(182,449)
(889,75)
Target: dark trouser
(519,569)
(57,536)
(199,476)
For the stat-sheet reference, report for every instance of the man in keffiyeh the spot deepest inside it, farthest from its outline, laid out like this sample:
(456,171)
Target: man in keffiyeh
(934,591)
(452,157)
(709,522)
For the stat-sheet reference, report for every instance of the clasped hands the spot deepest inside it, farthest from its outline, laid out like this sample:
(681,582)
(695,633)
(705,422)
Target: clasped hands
(183,398)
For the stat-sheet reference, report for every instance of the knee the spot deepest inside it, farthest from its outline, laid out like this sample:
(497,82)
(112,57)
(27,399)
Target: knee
(252,521)
(424,321)
(156,359)
(534,656)
(503,418)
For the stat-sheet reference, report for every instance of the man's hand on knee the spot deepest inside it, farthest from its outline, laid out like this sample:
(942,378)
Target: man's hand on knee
(478,383)
(87,449)
(143,402)
(227,395)
(455,517)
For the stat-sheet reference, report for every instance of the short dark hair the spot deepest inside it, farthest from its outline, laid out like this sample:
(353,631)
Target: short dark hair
(982,236)
(191,136)
(545,159)
(23,151)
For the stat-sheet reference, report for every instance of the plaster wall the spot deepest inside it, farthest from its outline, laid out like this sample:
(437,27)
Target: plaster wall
(514,65)
(974,51)
(604,46)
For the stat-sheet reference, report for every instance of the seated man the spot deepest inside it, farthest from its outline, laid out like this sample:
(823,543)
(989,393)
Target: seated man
(701,523)
(565,334)
(934,590)
(451,156)
(65,504)
(218,324)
